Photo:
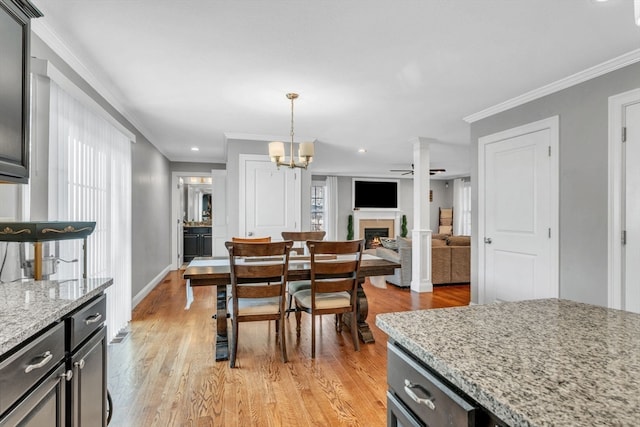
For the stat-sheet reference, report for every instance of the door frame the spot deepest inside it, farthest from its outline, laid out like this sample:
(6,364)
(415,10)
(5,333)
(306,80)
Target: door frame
(616,196)
(175,175)
(553,124)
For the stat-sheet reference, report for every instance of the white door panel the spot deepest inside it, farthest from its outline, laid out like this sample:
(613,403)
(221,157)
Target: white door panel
(515,197)
(271,199)
(631,250)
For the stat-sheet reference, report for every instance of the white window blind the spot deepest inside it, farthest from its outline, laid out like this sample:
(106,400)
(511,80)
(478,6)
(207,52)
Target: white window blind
(90,180)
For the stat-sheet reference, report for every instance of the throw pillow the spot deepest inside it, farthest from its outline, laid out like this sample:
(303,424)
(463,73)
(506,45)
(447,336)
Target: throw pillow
(389,243)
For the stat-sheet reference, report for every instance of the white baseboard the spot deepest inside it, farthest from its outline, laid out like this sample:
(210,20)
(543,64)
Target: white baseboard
(147,289)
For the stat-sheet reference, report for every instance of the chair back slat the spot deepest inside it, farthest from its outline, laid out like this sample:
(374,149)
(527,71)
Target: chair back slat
(335,267)
(300,237)
(336,247)
(333,285)
(259,291)
(258,271)
(266,239)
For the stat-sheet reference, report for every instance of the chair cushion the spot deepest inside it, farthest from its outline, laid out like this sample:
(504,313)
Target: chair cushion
(438,242)
(250,306)
(298,285)
(330,300)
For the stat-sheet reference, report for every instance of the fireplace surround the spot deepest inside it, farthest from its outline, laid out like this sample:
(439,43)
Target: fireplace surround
(388,219)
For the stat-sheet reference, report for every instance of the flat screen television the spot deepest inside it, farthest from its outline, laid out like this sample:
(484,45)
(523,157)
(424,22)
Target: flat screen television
(375,194)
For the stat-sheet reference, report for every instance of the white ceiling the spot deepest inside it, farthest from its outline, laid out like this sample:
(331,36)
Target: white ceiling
(370,74)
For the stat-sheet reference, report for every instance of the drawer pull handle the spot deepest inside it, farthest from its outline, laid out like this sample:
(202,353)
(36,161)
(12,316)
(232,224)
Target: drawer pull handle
(79,364)
(46,358)
(93,319)
(408,385)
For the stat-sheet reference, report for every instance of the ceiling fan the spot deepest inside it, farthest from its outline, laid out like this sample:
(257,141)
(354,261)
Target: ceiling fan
(410,171)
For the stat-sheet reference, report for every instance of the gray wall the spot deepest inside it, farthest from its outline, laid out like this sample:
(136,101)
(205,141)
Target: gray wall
(583,112)
(442,197)
(150,181)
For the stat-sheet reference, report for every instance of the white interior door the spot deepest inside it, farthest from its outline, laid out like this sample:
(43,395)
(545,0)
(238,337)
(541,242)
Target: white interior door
(518,224)
(271,198)
(631,202)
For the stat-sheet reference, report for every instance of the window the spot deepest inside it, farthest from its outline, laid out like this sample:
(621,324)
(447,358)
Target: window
(89,171)
(317,207)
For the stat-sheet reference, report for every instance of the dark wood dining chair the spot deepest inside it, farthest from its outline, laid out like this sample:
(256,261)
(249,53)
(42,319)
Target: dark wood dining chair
(334,285)
(299,239)
(258,284)
(266,239)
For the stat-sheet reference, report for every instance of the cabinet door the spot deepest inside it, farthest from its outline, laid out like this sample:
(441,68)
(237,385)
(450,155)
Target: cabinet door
(88,393)
(44,406)
(14,87)
(191,246)
(207,244)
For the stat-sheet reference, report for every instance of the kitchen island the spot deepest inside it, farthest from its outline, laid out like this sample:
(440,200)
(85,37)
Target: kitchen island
(30,306)
(53,359)
(531,363)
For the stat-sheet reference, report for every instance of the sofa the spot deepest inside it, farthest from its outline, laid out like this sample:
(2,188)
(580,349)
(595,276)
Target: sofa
(450,260)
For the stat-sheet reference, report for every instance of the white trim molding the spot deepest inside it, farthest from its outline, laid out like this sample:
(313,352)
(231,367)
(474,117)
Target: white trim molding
(572,80)
(48,36)
(149,287)
(616,196)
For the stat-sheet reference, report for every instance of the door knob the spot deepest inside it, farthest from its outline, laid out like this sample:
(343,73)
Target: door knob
(487,240)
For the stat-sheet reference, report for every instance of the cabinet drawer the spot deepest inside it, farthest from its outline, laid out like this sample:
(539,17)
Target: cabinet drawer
(22,370)
(429,398)
(87,320)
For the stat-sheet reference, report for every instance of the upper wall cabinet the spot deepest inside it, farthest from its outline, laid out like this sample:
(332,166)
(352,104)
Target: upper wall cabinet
(15,33)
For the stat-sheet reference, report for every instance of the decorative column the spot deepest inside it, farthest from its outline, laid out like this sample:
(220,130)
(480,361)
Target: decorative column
(421,233)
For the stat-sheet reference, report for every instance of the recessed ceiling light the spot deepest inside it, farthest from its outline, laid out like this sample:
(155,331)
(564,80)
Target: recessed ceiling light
(195,149)
(362,150)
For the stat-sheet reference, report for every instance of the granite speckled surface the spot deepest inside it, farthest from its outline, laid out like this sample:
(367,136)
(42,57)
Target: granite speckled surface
(28,307)
(532,363)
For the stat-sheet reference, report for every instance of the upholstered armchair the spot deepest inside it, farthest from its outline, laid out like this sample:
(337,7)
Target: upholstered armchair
(402,275)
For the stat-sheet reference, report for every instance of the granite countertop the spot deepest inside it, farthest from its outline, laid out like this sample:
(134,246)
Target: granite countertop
(28,307)
(532,363)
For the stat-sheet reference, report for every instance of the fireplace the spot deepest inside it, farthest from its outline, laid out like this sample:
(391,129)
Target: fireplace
(372,236)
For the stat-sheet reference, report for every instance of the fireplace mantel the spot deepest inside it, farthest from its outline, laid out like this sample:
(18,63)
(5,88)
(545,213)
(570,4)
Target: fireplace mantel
(376,217)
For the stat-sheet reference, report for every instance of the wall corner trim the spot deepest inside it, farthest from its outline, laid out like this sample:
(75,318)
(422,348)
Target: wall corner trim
(572,80)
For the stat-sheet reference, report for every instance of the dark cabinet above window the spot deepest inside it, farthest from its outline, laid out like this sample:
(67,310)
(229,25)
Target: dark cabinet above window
(15,33)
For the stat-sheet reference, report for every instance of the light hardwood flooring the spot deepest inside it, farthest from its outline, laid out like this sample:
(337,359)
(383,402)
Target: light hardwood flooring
(164,374)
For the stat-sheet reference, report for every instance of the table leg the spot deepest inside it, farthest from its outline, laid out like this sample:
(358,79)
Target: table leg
(222,342)
(364,331)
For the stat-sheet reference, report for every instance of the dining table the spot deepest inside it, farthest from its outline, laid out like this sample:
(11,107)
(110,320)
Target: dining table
(214,271)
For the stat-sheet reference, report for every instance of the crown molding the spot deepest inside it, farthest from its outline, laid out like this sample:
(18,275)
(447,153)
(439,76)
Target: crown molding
(48,36)
(237,136)
(572,80)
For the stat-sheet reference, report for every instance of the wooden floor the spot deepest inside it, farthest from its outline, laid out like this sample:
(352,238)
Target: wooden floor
(163,373)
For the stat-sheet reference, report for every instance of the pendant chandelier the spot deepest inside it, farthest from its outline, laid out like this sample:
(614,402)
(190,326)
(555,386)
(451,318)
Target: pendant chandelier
(305,150)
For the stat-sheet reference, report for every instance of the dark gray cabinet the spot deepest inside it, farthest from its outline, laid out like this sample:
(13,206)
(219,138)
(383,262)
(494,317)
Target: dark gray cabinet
(88,390)
(58,377)
(15,33)
(87,362)
(418,396)
(32,385)
(197,242)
